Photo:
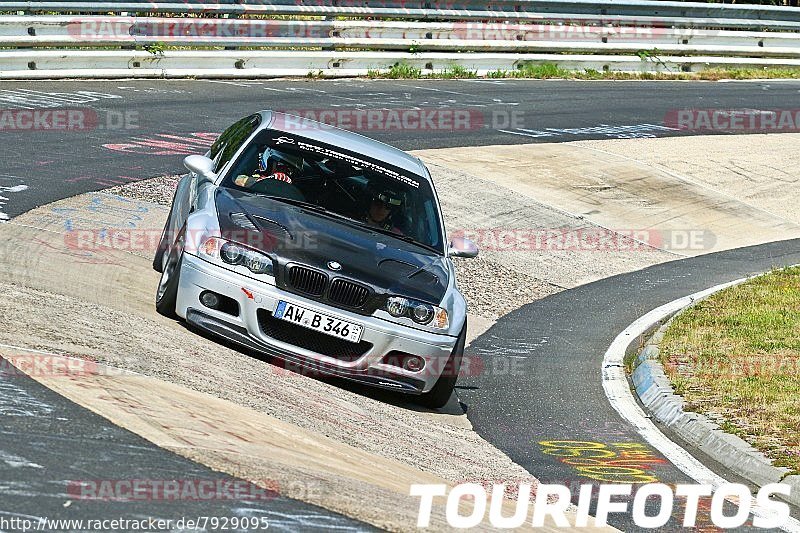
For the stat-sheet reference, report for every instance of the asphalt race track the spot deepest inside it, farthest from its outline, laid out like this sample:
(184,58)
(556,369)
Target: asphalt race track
(545,361)
(168,120)
(550,393)
(46,440)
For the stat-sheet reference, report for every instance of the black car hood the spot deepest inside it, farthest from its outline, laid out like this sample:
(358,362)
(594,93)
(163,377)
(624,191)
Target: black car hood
(295,235)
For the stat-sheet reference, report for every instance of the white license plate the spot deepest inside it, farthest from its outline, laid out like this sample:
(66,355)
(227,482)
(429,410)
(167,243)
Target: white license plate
(328,325)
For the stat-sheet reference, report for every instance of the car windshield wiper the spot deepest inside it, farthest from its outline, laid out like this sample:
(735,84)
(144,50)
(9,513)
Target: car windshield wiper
(402,237)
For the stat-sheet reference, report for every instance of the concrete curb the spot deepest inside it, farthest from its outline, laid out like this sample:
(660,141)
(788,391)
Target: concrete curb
(659,399)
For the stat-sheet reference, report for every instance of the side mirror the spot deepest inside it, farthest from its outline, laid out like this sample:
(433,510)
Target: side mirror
(461,247)
(200,165)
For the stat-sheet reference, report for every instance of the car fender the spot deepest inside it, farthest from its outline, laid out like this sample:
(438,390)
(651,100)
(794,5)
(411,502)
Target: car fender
(454,302)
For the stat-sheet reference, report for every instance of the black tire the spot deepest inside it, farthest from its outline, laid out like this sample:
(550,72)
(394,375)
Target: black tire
(166,237)
(167,291)
(440,394)
(163,246)
(159,257)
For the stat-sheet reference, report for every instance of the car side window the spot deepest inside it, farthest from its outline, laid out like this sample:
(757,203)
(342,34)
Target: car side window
(231,139)
(431,232)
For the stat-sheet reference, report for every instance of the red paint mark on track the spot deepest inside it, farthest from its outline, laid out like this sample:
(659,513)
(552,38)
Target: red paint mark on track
(165,144)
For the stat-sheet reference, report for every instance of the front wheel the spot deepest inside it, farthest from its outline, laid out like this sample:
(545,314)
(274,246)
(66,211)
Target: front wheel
(440,394)
(167,292)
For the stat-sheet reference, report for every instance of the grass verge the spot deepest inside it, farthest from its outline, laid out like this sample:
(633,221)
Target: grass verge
(551,70)
(736,358)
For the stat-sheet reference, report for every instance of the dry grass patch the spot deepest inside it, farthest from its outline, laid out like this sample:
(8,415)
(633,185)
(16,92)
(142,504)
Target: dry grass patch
(736,358)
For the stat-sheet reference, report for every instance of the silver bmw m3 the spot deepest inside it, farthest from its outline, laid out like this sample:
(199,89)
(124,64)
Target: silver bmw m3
(321,248)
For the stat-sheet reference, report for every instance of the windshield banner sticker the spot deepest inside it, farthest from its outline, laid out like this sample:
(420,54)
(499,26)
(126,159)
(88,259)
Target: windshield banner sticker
(350,159)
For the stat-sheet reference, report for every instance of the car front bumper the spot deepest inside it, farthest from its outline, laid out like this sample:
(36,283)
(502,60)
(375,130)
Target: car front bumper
(198,275)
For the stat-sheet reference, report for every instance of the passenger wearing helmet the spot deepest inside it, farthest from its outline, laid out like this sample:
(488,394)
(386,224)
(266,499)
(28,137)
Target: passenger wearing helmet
(272,164)
(384,203)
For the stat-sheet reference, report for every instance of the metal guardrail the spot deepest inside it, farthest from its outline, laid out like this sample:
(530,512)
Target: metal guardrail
(638,8)
(620,12)
(322,11)
(250,64)
(627,35)
(92,31)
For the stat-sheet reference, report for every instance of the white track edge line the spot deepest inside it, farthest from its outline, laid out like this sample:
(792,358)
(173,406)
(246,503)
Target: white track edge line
(618,392)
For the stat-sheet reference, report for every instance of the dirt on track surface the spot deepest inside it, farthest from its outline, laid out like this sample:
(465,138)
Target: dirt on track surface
(762,171)
(686,195)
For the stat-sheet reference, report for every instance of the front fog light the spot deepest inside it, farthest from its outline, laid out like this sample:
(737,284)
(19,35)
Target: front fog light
(414,363)
(210,299)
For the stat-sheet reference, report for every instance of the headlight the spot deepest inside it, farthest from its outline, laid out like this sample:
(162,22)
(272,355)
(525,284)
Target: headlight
(236,254)
(420,312)
(233,254)
(259,263)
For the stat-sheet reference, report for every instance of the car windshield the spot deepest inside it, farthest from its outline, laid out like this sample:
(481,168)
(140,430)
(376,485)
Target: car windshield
(342,183)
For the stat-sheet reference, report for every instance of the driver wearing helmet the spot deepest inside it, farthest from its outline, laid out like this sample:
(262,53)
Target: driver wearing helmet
(384,203)
(272,164)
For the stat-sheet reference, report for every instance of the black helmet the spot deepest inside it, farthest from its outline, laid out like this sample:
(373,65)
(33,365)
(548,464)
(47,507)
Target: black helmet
(385,195)
(273,160)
